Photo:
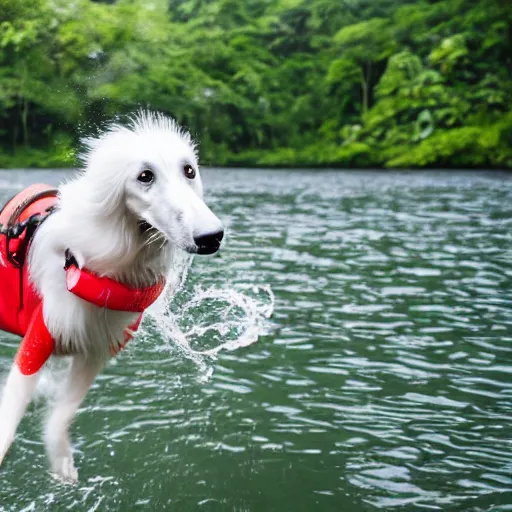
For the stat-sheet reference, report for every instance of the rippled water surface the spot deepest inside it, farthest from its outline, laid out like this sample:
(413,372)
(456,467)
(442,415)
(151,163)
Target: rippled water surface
(381,377)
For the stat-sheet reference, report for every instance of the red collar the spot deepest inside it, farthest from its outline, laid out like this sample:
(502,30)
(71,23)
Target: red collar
(107,293)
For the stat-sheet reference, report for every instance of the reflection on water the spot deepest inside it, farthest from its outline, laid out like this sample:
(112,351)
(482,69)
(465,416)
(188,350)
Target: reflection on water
(381,375)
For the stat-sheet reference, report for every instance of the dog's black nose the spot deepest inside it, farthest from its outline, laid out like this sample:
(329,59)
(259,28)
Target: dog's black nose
(208,244)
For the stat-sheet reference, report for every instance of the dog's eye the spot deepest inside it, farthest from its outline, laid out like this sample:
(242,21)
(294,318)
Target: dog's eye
(189,172)
(146,176)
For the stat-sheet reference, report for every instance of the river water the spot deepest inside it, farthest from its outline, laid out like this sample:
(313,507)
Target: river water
(365,325)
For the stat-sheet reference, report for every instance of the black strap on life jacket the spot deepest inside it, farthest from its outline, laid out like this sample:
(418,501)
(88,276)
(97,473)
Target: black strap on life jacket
(25,230)
(14,229)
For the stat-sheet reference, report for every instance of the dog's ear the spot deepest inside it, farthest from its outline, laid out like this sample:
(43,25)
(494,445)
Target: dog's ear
(109,197)
(112,198)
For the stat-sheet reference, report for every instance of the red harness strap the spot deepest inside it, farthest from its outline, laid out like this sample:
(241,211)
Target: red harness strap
(107,293)
(38,345)
(110,294)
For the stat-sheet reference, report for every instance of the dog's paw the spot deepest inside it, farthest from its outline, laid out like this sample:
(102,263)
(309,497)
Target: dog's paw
(5,443)
(64,470)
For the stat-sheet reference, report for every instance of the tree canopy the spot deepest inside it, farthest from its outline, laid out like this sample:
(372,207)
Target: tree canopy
(350,83)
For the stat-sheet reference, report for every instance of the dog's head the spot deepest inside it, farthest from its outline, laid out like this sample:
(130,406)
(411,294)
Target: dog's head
(150,168)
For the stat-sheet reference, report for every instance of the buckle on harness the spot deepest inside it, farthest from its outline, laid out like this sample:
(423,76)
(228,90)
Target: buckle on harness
(13,233)
(70,260)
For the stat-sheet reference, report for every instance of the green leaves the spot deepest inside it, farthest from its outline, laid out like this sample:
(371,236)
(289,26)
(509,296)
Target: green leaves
(403,70)
(452,51)
(462,147)
(374,29)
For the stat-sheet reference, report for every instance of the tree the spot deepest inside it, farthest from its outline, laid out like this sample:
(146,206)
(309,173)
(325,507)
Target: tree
(261,82)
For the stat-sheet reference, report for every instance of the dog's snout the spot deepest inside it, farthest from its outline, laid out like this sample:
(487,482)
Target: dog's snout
(210,243)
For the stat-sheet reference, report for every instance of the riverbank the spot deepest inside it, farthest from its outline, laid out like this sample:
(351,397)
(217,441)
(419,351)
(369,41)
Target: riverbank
(464,148)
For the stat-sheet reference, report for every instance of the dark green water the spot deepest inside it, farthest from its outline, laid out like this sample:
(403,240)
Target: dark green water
(383,379)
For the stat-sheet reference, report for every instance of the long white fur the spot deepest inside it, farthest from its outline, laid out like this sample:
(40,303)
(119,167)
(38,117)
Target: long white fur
(98,220)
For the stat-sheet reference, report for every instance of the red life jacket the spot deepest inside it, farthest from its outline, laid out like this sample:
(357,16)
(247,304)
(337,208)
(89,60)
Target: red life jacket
(21,308)
(18,298)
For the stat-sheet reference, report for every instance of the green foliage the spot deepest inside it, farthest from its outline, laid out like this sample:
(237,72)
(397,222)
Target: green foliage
(396,83)
(450,52)
(58,154)
(463,147)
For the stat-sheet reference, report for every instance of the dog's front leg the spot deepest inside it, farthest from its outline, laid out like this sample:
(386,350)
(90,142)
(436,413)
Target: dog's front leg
(16,396)
(58,443)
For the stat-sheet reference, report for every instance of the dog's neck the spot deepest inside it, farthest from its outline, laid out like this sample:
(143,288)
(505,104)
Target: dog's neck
(115,247)
(111,243)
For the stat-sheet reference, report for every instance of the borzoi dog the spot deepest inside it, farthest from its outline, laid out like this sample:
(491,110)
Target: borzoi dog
(116,227)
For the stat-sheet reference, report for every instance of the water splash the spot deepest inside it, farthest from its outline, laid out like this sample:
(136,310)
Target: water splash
(201,322)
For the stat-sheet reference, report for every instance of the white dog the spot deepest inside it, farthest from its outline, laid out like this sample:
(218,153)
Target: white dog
(137,203)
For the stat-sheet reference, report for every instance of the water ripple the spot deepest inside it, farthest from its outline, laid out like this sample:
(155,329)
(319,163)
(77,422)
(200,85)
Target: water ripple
(381,378)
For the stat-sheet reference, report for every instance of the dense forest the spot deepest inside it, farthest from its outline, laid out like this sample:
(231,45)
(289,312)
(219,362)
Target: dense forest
(349,83)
